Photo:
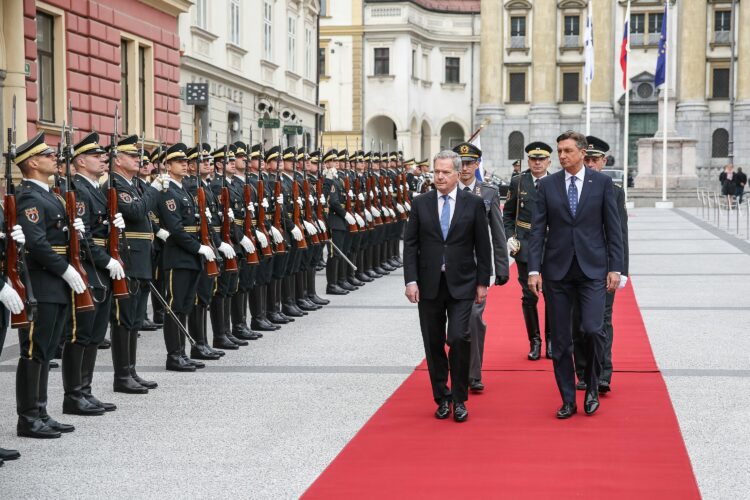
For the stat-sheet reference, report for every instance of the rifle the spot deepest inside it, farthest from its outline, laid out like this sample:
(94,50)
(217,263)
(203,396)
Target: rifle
(212,267)
(119,286)
(383,193)
(353,228)
(371,198)
(16,271)
(231,264)
(301,244)
(252,258)
(268,250)
(83,301)
(308,206)
(319,190)
(277,221)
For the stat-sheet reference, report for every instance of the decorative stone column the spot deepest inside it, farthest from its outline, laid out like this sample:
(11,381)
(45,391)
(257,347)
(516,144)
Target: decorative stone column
(544,64)
(490,82)
(15,77)
(742,107)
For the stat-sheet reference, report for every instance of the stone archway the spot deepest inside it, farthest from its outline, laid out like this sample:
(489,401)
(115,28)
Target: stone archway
(425,150)
(381,128)
(451,134)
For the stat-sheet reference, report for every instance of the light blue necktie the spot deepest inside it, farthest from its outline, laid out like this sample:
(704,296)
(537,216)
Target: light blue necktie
(573,195)
(445,216)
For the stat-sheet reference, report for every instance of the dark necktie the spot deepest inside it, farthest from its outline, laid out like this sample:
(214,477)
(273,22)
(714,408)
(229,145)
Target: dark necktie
(467,188)
(536,183)
(573,195)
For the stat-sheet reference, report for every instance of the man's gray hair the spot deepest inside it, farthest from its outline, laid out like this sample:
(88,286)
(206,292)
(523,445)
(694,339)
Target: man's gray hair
(448,154)
(580,139)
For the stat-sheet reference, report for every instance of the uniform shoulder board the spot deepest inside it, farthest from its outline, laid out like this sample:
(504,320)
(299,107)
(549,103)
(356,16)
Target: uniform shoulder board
(489,185)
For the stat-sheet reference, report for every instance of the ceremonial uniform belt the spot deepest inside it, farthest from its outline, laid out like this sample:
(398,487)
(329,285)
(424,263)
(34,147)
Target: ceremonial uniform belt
(133,235)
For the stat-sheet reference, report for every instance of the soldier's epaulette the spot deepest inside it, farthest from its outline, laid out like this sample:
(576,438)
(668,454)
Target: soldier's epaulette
(489,185)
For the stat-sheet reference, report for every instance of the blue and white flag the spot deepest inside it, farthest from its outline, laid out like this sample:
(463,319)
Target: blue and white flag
(478,172)
(588,51)
(661,61)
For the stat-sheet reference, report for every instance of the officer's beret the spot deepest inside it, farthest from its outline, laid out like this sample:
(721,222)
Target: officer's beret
(467,151)
(176,152)
(88,145)
(35,146)
(538,149)
(596,146)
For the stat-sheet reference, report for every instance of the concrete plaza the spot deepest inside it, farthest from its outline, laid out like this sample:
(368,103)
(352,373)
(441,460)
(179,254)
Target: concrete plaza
(264,421)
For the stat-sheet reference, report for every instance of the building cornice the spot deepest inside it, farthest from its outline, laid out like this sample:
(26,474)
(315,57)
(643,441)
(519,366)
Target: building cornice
(421,34)
(341,30)
(171,7)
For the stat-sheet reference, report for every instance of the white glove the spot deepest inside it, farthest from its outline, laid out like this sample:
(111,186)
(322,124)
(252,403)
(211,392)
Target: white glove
(375,212)
(116,272)
(264,203)
(322,200)
(74,280)
(10,299)
(360,220)
(299,201)
(161,182)
(350,218)
(208,215)
(390,188)
(17,235)
(206,251)
(118,221)
(247,244)
(276,235)
(311,199)
(280,199)
(368,215)
(162,234)
(623,282)
(350,194)
(408,206)
(322,225)
(78,225)
(251,208)
(230,213)
(400,208)
(372,195)
(298,236)
(309,228)
(226,250)
(390,211)
(377,190)
(361,197)
(262,240)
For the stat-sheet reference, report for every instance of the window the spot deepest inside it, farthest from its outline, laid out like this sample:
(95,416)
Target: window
(46,65)
(654,27)
(413,63)
(292,43)
(452,70)
(720,143)
(136,86)
(322,61)
(308,52)
(720,83)
(722,26)
(637,29)
(323,8)
(515,145)
(234,21)
(570,87)
(124,90)
(518,32)
(517,87)
(381,61)
(267,19)
(426,67)
(571,31)
(201,14)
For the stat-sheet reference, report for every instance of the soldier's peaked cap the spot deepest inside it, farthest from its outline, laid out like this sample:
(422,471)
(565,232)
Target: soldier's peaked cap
(332,154)
(129,145)
(255,151)
(597,147)
(467,151)
(240,148)
(176,152)
(273,153)
(88,145)
(290,153)
(218,153)
(35,146)
(538,149)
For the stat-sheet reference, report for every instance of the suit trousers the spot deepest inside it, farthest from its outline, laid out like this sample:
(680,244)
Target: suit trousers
(433,315)
(579,346)
(563,295)
(478,329)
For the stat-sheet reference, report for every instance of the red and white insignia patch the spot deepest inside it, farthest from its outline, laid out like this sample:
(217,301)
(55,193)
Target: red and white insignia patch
(32,214)
(80,208)
(126,197)
(171,205)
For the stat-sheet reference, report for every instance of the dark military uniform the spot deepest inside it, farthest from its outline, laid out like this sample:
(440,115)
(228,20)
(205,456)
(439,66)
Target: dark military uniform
(333,190)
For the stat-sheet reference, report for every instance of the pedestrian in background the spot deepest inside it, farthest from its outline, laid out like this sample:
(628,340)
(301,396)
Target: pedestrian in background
(728,183)
(741,179)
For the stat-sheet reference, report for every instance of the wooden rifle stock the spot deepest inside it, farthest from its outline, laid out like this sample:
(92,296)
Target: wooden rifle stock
(296,219)
(353,228)
(119,286)
(281,247)
(11,262)
(230,265)
(83,301)
(267,251)
(319,213)
(252,258)
(212,268)
(400,197)
(308,210)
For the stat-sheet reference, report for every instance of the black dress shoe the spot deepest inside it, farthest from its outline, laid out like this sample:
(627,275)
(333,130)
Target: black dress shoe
(352,280)
(176,363)
(149,325)
(277,318)
(581,386)
(9,454)
(363,277)
(288,318)
(306,305)
(106,406)
(224,343)
(215,351)
(476,386)
(548,350)
(80,406)
(129,386)
(387,266)
(57,426)
(237,341)
(318,300)
(201,351)
(148,384)
(381,271)
(567,410)
(444,410)
(536,350)
(242,334)
(263,325)
(35,429)
(372,274)
(604,387)
(196,364)
(591,403)
(54,364)
(105,344)
(393,263)
(335,290)
(292,311)
(347,286)
(460,413)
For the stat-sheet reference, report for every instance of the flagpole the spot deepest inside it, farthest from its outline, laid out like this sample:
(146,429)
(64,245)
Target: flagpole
(665,117)
(589,29)
(626,135)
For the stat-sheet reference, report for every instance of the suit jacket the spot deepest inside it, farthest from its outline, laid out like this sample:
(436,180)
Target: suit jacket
(623,211)
(593,236)
(491,197)
(466,250)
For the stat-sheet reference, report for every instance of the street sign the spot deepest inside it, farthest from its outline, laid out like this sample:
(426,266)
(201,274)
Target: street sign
(292,130)
(196,94)
(269,123)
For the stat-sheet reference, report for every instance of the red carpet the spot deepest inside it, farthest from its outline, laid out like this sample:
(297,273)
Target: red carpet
(512,446)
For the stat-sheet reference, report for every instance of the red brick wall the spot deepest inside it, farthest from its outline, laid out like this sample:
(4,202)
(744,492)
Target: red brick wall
(93,30)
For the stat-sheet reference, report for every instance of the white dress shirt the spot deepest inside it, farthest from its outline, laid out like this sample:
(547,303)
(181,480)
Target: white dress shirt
(470,186)
(45,186)
(581,175)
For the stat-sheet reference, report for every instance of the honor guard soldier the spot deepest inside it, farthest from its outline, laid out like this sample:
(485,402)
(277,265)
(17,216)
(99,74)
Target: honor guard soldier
(359,183)
(347,280)
(338,222)
(143,182)
(90,327)
(42,215)
(315,198)
(310,233)
(293,235)
(468,181)
(182,255)
(135,203)
(517,217)
(596,158)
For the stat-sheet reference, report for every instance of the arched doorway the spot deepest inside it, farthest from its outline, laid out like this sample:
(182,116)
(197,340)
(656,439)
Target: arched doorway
(450,135)
(425,150)
(381,128)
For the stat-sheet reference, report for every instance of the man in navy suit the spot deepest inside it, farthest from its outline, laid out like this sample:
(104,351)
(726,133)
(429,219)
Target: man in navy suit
(447,267)
(576,246)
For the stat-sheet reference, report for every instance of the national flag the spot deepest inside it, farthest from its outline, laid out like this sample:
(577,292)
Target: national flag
(478,172)
(588,50)
(661,62)
(624,56)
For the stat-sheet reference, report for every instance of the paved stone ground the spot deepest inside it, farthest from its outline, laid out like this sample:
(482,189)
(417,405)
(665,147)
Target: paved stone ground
(265,421)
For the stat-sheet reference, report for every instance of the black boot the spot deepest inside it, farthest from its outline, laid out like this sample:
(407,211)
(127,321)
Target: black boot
(183,343)
(175,360)
(9,454)
(272,305)
(217,325)
(195,326)
(531,318)
(133,339)
(204,322)
(228,323)
(300,292)
(72,366)
(311,293)
(548,347)
(42,404)
(332,272)
(87,376)
(239,327)
(123,381)
(287,296)
(27,394)
(343,274)
(258,320)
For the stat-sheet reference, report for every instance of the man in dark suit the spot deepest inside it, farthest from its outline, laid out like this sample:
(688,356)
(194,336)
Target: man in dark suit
(577,229)
(447,266)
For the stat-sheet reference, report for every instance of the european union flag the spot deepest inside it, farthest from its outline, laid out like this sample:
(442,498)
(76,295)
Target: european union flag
(661,62)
